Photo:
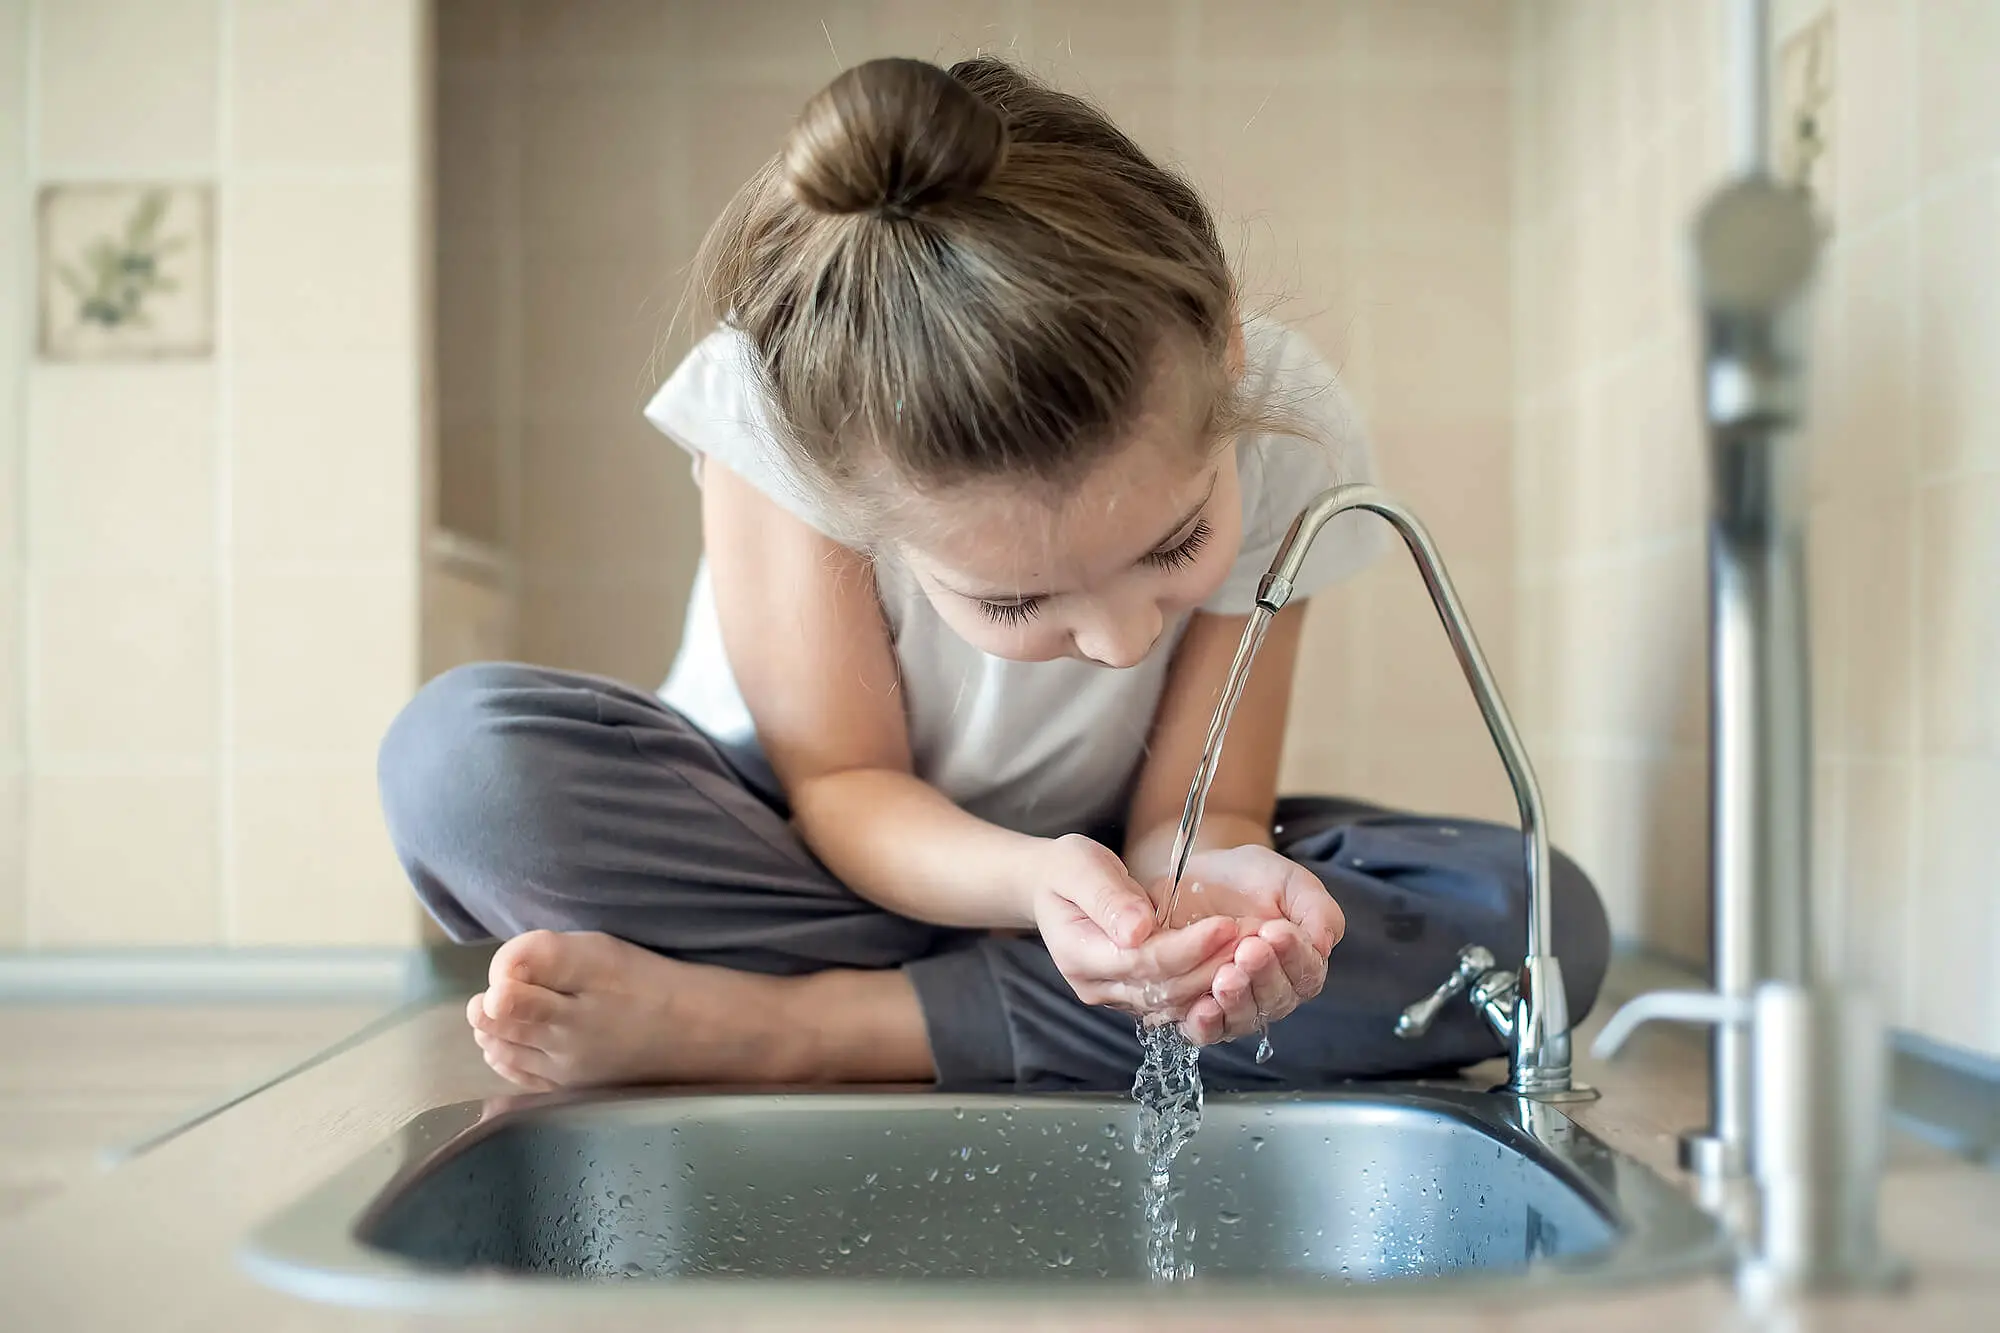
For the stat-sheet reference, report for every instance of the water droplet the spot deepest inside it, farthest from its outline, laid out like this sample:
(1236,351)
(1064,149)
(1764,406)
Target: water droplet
(1256,1143)
(958,1113)
(845,1246)
(1065,1258)
(965,1153)
(1228,1218)
(993,1170)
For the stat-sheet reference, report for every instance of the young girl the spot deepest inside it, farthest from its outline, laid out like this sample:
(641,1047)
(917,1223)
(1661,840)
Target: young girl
(990,465)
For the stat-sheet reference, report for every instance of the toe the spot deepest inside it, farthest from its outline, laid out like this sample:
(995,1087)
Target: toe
(522,1002)
(516,1063)
(562,962)
(519,1013)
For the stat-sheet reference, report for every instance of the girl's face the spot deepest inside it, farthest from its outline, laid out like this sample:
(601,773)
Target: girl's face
(1151,532)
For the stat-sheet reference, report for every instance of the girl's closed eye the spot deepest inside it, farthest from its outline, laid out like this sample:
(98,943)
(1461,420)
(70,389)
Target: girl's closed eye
(1011,613)
(1183,553)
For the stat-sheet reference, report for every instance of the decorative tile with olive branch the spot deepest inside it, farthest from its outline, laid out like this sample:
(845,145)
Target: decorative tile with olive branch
(126,272)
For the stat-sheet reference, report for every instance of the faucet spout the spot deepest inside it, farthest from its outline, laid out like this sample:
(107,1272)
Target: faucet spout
(1538,1035)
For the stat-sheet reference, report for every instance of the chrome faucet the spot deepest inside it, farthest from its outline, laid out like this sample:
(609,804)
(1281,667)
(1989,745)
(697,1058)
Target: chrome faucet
(1797,1068)
(1528,1009)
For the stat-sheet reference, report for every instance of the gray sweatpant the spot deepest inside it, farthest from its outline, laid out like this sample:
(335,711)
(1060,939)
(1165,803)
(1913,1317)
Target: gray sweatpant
(521,798)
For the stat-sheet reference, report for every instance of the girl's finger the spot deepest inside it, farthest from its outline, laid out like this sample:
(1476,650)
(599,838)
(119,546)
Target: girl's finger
(1204,1023)
(1304,967)
(1270,989)
(1237,998)
(1172,954)
(1307,904)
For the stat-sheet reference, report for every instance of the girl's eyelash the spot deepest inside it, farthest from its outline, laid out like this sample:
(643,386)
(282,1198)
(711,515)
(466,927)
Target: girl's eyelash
(1012,613)
(1180,557)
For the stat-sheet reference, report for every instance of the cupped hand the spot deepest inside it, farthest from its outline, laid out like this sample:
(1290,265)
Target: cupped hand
(1286,926)
(1098,924)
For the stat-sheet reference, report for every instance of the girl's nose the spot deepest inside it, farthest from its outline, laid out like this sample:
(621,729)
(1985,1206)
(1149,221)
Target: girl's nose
(1120,636)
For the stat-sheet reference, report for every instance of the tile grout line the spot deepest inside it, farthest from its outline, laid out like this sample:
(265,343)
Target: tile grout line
(25,618)
(1905,1006)
(228,891)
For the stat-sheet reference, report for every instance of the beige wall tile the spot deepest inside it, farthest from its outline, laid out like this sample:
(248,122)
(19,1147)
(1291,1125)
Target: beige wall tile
(474,370)
(122,860)
(1958,867)
(1439,314)
(728,151)
(1440,39)
(469,477)
(1428,155)
(123,461)
(1958,616)
(1460,481)
(323,267)
(13,868)
(465,620)
(1872,442)
(13,646)
(314,864)
(592,330)
(609,495)
(1438,777)
(325,460)
(1599,824)
(626,630)
(1875,118)
(1253,33)
(936,30)
(1673,829)
(1102,35)
(326,82)
(476,126)
(793,33)
(1959,334)
(124,666)
(1878,853)
(472,30)
(322,661)
(605,159)
(1958,99)
(127,84)
(626,31)
(1667,463)
(1876,540)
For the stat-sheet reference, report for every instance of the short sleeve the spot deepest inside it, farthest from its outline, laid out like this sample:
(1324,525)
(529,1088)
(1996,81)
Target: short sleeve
(713,407)
(1281,473)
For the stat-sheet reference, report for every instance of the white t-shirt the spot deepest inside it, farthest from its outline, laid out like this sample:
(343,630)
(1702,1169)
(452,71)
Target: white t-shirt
(1040,747)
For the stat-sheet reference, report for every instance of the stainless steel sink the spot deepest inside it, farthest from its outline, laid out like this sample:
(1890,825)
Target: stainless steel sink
(669,1198)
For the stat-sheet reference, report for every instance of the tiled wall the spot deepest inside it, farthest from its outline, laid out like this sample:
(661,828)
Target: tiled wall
(1618,125)
(1358,150)
(209,567)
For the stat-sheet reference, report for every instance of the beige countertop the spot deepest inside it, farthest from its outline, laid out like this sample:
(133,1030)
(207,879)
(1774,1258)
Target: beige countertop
(150,1246)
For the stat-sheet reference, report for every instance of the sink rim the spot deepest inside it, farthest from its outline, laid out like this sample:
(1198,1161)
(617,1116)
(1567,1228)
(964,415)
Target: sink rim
(311,1247)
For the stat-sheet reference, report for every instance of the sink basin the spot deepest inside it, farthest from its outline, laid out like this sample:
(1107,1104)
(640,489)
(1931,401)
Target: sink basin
(671,1198)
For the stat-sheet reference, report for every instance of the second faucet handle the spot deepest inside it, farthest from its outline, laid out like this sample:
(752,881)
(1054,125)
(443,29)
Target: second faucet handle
(1474,962)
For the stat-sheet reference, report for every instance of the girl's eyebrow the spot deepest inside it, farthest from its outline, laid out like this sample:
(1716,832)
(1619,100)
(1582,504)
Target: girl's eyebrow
(1180,525)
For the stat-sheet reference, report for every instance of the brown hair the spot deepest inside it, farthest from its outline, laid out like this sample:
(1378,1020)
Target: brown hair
(962,274)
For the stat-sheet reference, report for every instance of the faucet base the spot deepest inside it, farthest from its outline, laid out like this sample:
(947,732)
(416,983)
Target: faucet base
(1575,1092)
(1708,1156)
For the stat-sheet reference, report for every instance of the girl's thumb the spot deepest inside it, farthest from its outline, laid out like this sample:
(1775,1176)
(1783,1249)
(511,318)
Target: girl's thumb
(1120,910)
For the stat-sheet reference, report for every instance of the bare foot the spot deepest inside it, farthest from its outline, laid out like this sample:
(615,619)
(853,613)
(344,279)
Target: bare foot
(582,1010)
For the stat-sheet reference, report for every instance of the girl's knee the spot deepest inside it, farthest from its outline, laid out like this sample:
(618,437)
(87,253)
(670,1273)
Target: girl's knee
(450,755)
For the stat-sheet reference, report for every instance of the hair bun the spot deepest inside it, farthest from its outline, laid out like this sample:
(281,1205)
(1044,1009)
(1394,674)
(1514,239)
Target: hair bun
(893,137)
